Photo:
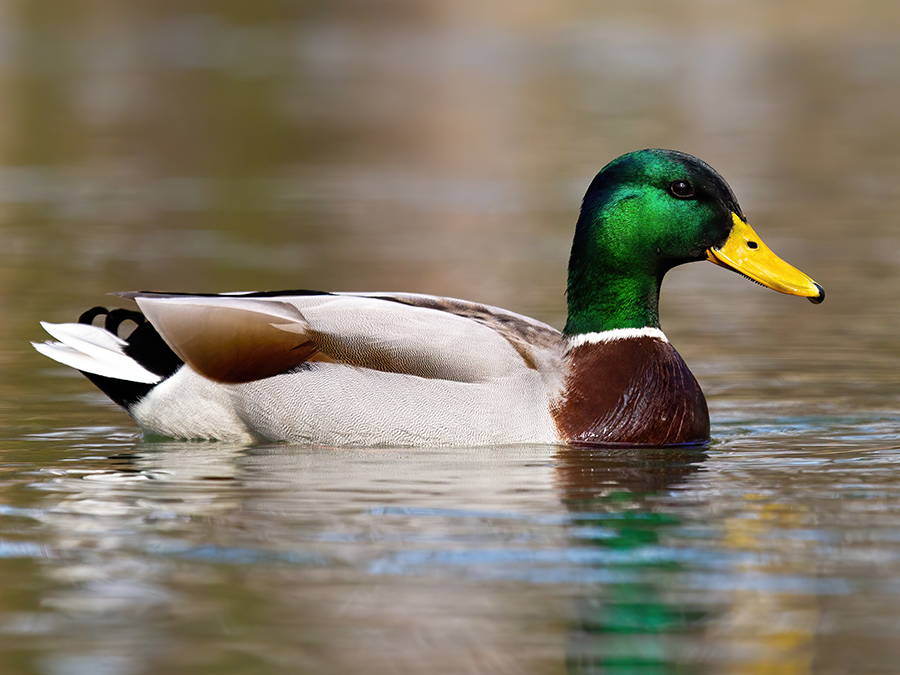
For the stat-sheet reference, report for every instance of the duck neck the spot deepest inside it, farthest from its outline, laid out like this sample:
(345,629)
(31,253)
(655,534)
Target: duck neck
(612,302)
(614,279)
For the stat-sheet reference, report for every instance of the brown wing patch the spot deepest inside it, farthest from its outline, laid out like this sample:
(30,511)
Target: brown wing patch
(232,344)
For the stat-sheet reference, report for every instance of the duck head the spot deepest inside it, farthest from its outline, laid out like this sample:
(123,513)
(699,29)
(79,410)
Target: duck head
(645,213)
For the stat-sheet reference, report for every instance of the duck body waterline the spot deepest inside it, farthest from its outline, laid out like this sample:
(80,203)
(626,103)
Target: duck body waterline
(365,369)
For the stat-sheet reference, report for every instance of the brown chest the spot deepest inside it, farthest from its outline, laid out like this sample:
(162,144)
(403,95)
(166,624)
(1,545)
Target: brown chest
(633,391)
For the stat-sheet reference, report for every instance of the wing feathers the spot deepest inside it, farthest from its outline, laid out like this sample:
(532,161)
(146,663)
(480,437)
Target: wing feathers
(240,339)
(231,340)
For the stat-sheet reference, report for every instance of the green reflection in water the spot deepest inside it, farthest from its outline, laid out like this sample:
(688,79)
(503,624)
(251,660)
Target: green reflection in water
(631,624)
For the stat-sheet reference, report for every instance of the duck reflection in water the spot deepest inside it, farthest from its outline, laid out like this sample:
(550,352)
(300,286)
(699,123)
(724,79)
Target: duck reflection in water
(632,621)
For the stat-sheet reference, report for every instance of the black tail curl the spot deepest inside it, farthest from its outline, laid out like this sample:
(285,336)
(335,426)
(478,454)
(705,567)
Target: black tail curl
(144,345)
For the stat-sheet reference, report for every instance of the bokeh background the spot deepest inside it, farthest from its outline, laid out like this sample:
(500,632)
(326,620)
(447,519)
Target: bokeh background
(443,147)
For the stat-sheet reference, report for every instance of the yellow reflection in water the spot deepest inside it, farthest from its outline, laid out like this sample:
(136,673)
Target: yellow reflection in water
(777,629)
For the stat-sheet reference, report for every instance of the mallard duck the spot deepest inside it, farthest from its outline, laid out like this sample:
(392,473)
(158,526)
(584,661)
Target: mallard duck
(398,369)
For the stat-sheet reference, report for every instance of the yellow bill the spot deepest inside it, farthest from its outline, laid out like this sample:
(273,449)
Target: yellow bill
(745,253)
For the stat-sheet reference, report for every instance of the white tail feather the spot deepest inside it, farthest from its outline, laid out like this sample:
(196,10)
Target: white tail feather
(93,350)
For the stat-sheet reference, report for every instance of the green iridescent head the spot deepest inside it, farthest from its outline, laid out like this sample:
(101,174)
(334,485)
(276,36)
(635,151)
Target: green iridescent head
(645,213)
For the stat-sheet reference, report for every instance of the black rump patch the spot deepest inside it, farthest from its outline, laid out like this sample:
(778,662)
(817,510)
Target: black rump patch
(144,345)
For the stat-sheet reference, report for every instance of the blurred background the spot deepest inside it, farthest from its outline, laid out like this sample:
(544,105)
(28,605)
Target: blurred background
(443,147)
(433,146)
(439,147)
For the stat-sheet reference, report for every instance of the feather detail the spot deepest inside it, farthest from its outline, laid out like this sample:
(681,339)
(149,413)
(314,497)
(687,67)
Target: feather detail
(93,350)
(238,338)
(231,339)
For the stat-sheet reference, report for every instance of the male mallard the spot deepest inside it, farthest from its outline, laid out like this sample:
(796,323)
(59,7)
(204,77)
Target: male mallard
(403,369)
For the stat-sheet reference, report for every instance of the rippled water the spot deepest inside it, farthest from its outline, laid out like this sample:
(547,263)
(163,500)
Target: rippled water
(422,147)
(759,555)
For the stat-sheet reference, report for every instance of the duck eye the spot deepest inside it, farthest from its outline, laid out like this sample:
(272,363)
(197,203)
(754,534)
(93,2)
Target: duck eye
(681,189)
